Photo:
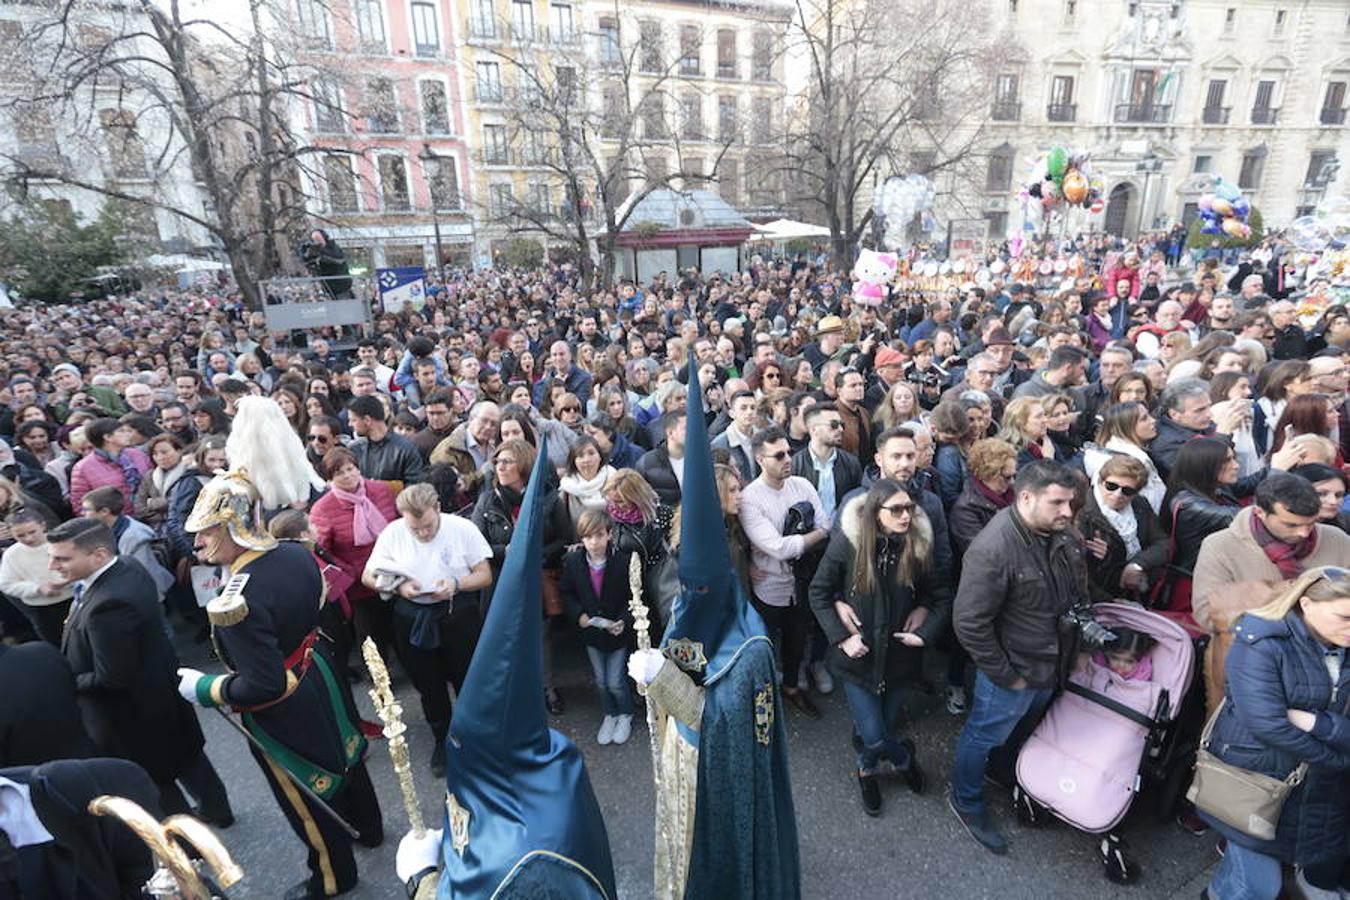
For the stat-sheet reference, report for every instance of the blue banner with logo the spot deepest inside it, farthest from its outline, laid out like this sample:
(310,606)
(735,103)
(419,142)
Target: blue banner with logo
(404,284)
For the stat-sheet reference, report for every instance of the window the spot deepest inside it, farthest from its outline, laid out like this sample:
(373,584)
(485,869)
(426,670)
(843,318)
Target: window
(1006,108)
(1061,107)
(435,108)
(36,136)
(501,200)
(394,183)
(691,37)
(927,99)
(1263,112)
(1230,20)
(426,34)
(1321,168)
(728,128)
(563,23)
(529,89)
(522,20)
(1253,164)
(312,23)
(328,115)
(616,181)
(691,117)
(761,120)
(761,59)
(729,181)
(726,53)
(998,176)
(482,19)
(125,150)
(370,24)
(495,152)
(650,57)
(1070,11)
(443,183)
(1202,163)
(693,171)
(341,181)
(610,52)
(381,107)
(531,149)
(1333,104)
(657,169)
(14,48)
(1215,113)
(654,117)
(611,125)
(1281,17)
(998,224)
(565,77)
(537,199)
(489,76)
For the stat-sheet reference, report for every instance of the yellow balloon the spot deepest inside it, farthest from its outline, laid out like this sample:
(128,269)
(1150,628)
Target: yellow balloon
(1235,228)
(1075,187)
(1222,207)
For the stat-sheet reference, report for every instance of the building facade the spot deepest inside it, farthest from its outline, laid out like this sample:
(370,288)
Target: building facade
(1166,94)
(393,186)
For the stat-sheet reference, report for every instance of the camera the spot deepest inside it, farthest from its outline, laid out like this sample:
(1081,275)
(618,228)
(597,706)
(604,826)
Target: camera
(1090,631)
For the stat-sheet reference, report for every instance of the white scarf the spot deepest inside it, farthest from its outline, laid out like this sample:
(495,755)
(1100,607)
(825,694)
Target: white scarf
(589,492)
(1123,521)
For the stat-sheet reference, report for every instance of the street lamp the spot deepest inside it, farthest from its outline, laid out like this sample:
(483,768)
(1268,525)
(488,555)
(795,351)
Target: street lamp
(428,158)
(1148,166)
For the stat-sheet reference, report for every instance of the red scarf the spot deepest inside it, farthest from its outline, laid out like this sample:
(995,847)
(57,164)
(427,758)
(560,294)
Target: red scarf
(1001,501)
(1286,557)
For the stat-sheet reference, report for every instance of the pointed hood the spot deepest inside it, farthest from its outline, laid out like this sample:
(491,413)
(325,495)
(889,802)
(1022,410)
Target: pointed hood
(712,617)
(516,790)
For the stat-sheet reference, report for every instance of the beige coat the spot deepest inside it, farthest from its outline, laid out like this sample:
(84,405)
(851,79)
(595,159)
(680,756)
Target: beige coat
(1234,576)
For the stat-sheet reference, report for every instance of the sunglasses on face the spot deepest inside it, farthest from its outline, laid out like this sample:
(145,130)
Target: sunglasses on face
(567,409)
(1125,489)
(899,509)
(320,438)
(780,455)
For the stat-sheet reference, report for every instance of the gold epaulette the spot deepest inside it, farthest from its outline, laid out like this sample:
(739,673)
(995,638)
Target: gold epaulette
(229,607)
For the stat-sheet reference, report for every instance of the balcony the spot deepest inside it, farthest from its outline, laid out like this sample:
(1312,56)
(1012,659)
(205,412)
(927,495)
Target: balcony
(483,29)
(1330,116)
(526,32)
(489,93)
(1061,112)
(1143,113)
(690,67)
(1264,115)
(565,37)
(1216,115)
(428,51)
(1005,111)
(726,69)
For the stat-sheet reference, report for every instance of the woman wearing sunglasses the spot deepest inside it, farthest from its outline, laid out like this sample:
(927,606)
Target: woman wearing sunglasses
(880,602)
(1126,544)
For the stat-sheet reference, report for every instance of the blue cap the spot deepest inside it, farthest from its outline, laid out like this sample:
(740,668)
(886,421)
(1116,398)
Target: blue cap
(517,791)
(712,617)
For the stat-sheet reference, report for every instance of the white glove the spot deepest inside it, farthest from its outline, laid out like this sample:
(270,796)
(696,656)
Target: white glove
(187,683)
(415,854)
(643,665)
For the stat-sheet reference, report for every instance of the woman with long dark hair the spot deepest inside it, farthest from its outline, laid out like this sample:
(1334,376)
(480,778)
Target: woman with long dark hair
(1304,414)
(1277,384)
(879,601)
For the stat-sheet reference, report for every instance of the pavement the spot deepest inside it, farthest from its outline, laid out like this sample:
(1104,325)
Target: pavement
(916,847)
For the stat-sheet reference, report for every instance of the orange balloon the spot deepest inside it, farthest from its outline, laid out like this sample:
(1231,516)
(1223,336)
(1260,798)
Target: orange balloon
(1075,186)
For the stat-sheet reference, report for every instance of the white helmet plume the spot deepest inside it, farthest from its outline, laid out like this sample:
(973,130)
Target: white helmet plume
(264,443)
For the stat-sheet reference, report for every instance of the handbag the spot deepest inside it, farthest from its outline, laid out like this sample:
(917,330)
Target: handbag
(1242,799)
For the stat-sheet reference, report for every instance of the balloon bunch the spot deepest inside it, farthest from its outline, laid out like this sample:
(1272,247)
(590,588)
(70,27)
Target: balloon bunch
(1327,229)
(900,200)
(1060,177)
(1224,211)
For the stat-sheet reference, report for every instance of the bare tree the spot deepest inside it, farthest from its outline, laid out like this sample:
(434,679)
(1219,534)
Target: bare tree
(148,87)
(894,86)
(591,125)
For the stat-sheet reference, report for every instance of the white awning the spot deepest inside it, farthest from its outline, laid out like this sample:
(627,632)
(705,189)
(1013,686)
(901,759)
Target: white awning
(788,230)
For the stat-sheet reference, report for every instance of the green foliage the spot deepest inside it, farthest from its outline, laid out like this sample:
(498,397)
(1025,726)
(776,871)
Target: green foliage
(521,253)
(46,251)
(1195,239)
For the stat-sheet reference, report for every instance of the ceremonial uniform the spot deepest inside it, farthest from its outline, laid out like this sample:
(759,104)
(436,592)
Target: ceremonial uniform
(289,698)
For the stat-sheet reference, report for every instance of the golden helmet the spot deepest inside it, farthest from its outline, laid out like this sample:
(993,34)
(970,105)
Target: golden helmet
(230,498)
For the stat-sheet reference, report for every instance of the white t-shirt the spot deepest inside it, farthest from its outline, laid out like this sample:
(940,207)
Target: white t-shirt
(456,548)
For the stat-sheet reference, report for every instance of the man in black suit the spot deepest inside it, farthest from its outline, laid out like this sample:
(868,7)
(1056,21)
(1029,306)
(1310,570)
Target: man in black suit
(124,667)
(60,849)
(39,719)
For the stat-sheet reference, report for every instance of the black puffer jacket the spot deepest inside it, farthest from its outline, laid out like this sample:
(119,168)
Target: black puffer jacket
(883,613)
(494,521)
(1015,585)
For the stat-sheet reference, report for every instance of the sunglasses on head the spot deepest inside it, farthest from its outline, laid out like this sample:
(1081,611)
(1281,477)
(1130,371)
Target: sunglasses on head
(1125,489)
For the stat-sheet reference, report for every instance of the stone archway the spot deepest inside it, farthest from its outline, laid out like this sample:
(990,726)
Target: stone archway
(1118,210)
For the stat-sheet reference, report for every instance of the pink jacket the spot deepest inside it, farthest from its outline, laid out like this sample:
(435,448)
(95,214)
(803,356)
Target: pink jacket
(1121,273)
(331,521)
(95,472)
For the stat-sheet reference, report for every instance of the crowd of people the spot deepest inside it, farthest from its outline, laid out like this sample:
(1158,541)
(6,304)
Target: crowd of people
(921,490)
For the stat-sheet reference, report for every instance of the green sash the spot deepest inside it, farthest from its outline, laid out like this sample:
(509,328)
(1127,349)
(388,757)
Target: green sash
(319,780)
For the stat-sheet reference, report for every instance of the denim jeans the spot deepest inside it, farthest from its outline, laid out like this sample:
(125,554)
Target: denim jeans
(611,677)
(1244,874)
(873,716)
(994,715)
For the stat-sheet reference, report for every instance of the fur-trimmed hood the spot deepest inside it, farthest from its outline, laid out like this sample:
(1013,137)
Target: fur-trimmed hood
(850,520)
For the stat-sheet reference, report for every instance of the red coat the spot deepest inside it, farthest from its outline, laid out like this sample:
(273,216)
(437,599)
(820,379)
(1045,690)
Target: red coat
(1121,273)
(331,521)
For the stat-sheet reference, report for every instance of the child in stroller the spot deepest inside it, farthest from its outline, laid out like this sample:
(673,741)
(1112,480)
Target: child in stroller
(1110,728)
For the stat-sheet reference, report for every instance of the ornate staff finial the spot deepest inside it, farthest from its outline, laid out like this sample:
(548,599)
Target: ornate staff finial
(390,712)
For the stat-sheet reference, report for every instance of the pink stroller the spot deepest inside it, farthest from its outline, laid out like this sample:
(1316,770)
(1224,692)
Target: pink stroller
(1087,758)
